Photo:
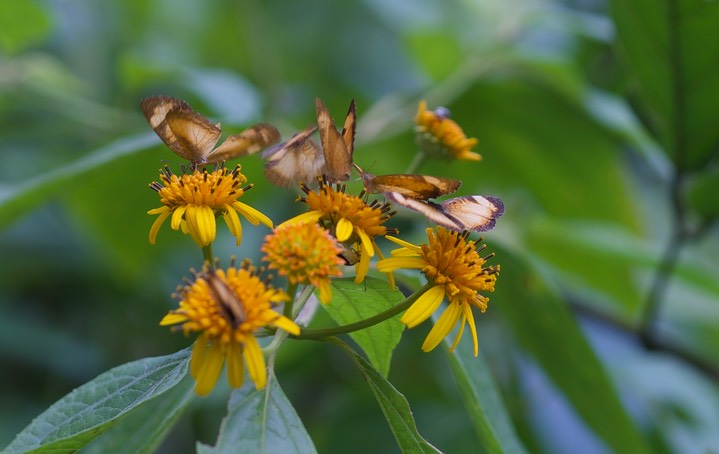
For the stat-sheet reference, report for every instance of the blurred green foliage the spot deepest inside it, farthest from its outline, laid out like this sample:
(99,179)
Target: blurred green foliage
(597,125)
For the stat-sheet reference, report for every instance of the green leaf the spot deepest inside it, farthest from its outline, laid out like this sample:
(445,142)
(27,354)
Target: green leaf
(354,302)
(23,23)
(666,49)
(394,406)
(20,199)
(261,422)
(703,194)
(76,419)
(146,427)
(548,331)
(483,401)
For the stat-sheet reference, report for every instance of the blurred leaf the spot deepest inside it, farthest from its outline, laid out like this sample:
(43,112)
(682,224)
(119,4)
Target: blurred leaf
(146,427)
(261,422)
(667,49)
(547,330)
(79,417)
(482,400)
(394,406)
(549,152)
(354,302)
(703,194)
(23,23)
(439,54)
(17,200)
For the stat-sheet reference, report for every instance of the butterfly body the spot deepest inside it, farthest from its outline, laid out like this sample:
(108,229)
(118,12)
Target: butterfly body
(227,300)
(193,137)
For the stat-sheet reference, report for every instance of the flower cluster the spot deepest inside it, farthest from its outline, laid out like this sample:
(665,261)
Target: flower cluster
(228,309)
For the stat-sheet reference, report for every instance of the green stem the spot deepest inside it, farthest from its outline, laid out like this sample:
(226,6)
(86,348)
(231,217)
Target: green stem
(371,321)
(291,291)
(207,255)
(302,300)
(417,161)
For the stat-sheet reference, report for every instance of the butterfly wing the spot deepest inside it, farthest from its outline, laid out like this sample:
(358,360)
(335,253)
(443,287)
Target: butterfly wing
(195,134)
(249,141)
(478,213)
(227,300)
(430,210)
(298,159)
(337,155)
(415,186)
(155,109)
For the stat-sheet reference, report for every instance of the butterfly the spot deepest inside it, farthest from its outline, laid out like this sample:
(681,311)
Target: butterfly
(337,147)
(301,159)
(298,159)
(193,137)
(227,300)
(475,212)
(410,185)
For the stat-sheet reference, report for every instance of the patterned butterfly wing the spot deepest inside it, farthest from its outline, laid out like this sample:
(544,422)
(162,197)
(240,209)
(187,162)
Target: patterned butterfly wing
(227,300)
(298,159)
(337,155)
(478,213)
(415,186)
(195,134)
(430,210)
(249,141)
(155,109)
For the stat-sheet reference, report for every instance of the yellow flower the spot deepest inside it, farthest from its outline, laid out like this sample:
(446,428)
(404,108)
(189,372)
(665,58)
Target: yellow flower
(195,199)
(349,218)
(225,308)
(439,136)
(452,264)
(305,253)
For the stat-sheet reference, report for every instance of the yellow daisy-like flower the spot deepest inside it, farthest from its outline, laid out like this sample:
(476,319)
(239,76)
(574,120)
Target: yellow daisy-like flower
(226,308)
(195,199)
(349,218)
(305,253)
(452,263)
(439,136)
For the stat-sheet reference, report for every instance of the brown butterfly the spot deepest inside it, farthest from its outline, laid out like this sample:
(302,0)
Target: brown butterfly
(299,159)
(337,147)
(227,300)
(476,212)
(194,137)
(415,186)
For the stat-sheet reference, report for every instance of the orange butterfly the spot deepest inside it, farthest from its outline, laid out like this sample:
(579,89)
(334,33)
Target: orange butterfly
(193,137)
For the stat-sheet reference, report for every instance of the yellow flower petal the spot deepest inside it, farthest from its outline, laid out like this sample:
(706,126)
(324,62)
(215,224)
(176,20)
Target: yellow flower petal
(252,215)
(233,223)
(177,217)
(325,292)
(235,367)
(210,370)
(304,218)
(198,355)
(173,318)
(424,307)
(404,243)
(362,266)
(158,223)
(286,324)
(255,362)
(472,327)
(442,327)
(394,263)
(366,242)
(344,229)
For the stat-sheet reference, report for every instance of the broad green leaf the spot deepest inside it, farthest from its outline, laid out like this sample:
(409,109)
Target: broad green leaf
(146,427)
(76,419)
(547,330)
(481,397)
(394,406)
(668,52)
(354,302)
(20,199)
(261,422)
